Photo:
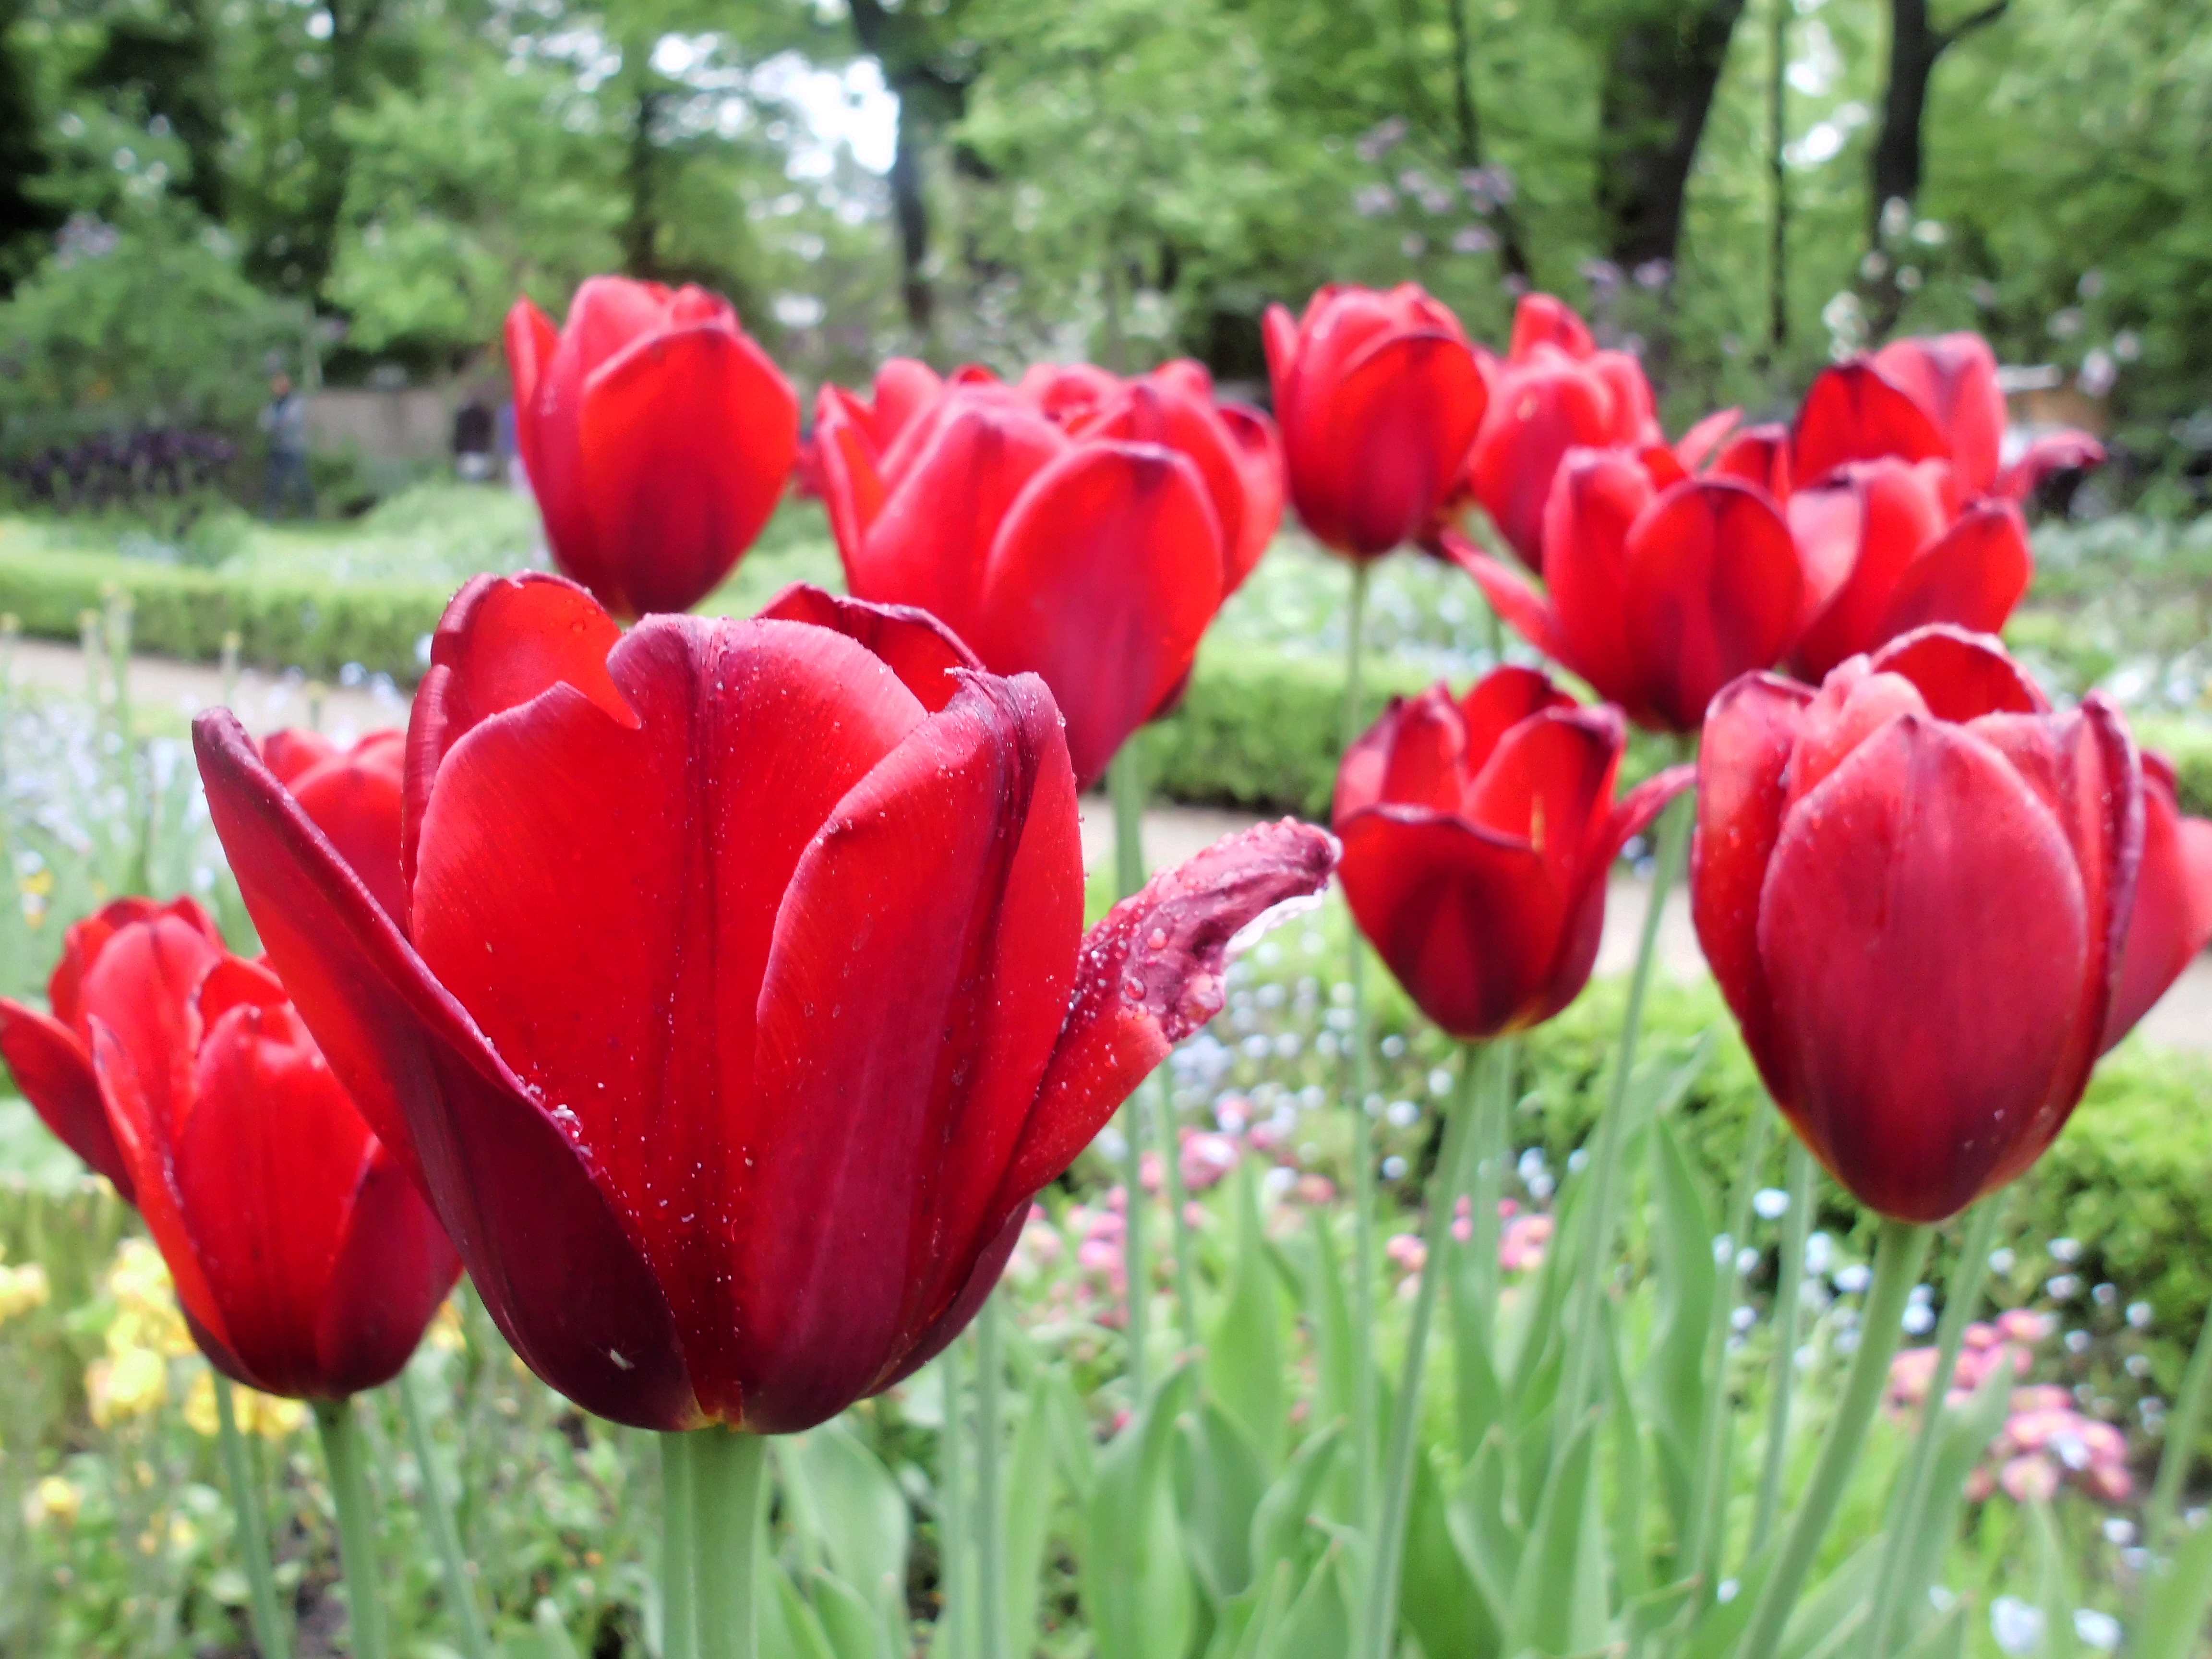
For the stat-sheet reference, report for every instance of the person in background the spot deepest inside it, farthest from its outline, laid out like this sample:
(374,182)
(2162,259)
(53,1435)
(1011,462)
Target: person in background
(473,440)
(286,486)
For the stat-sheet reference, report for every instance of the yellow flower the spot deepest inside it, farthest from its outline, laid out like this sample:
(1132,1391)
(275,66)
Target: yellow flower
(125,1385)
(445,1335)
(22,1288)
(146,1304)
(265,1414)
(53,1499)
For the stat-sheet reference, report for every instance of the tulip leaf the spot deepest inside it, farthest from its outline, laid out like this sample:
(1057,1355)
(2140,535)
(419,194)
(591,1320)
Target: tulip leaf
(841,1494)
(1717,1629)
(1625,1445)
(1479,1395)
(1558,1603)
(1945,1637)
(1028,1521)
(1963,1438)
(1840,1601)
(1335,1343)
(787,1625)
(1674,1376)
(1318,1624)
(1252,1620)
(1245,1367)
(2176,1600)
(1282,1534)
(1489,1540)
(1137,1588)
(2051,1573)
(851,1623)
(1075,1453)
(1438,1593)
(1221,1481)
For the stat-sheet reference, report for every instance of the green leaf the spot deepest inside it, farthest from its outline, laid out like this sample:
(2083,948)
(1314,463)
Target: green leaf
(851,1623)
(2175,1601)
(787,1625)
(2056,1579)
(1675,1378)
(1318,1625)
(1962,1438)
(1945,1637)
(1489,1539)
(1841,1600)
(1335,1343)
(1222,1481)
(1559,1595)
(1028,1521)
(1244,1368)
(1624,1442)
(841,1494)
(1281,1533)
(1438,1593)
(1137,1588)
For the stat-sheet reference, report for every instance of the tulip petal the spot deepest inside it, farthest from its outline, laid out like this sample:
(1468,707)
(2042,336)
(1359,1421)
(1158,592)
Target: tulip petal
(53,1070)
(1711,589)
(1694,446)
(1922,876)
(689,438)
(1631,816)
(1757,455)
(543,1246)
(1873,522)
(1541,410)
(1973,576)
(2053,452)
(913,644)
(1500,701)
(1597,497)
(1400,422)
(1510,595)
(957,862)
(394,1266)
(1149,975)
(1427,762)
(845,451)
(2172,915)
(929,546)
(1542,784)
(1259,451)
(1102,579)
(356,802)
(1961,675)
(1751,731)
(1853,412)
(1954,378)
(531,340)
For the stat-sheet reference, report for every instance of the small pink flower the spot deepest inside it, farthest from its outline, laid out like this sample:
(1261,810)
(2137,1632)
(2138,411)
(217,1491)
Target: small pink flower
(1153,1169)
(1462,1227)
(2029,1479)
(1207,1157)
(1981,1335)
(2026,1325)
(1408,1252)
(1314,1190)
(2042,1397)
(1521,1248)
(1910,1374)
(2114,1485)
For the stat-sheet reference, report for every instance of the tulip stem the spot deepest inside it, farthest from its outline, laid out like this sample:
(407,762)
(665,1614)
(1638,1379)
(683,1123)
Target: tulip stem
(1911,1495)
(729,1476)
(1605,1157)
(1366,1385)
(679,1635)
(952,1527)
(453,1561)
(990,1496)
(1486,1077)
(1126,783)
(252,1531)
(342,1453)
(1788,1299)
(1898,1259)
(2181,1430)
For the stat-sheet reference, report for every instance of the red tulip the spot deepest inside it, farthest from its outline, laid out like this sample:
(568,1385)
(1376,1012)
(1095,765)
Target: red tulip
(1095,562)
(657,436)
(1477,835)
(51,1055)
(1913,885)
(1757,455)
(2172,917)
(1884,554)
(1659,593)
(1379,396)
(1555,392)
(354,796)
(306,1262)
(742,1004)
(1927,398)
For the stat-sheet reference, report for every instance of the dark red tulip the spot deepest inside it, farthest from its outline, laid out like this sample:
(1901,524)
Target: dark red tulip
(1095,562)
(1925,398)
(51,1054)
(306,1261)
(1478,835)
(1554,392)
(1913,885)
(2172,917)
(1885,553)
(743,1002)
(1379,396)
(657,436)
(354,796)
(1658,593)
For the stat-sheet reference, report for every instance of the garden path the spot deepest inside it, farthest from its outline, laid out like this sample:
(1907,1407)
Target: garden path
(2181,1020)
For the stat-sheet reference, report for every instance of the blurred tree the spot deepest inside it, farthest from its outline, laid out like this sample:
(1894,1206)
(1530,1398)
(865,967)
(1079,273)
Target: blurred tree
(26,218)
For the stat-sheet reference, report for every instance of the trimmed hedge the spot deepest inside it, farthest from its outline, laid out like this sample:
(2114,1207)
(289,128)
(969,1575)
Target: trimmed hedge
(1256,727)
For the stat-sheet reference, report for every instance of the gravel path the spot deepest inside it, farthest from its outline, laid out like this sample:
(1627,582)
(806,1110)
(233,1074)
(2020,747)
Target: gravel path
(2181,1020)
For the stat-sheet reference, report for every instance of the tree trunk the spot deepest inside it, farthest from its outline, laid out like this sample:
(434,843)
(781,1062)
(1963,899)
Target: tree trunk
(911,209)
(1467,148)
(1659,83)
(1778,142)
(641,231)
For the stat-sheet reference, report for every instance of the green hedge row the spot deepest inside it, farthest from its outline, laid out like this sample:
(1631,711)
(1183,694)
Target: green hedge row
(1257,727)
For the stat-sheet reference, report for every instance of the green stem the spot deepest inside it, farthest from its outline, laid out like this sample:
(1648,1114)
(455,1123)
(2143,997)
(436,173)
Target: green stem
(1126,785)
(1605,1157)
(1966,1295)
(270,1634)
(444,1533)
(1708,1509)
(990,1495)
(348,1471)
(1789,1299)
(1186,1246)
(1487,1185)
(1481,1074)
(1897,1263)
(2182,1426)
(953,1531)
(679,1634)
(1366,1385)
(729,1481)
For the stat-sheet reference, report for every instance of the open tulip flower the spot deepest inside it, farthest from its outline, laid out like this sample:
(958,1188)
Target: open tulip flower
(740,1004)
(1379,396)
(1885,551)
(1927,398)
(2173,918)
(1660,587)
(354,796)
(658,437)
(50,1055)
(1554,392)
(1078,527)
(1914,886)
(1478,835)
